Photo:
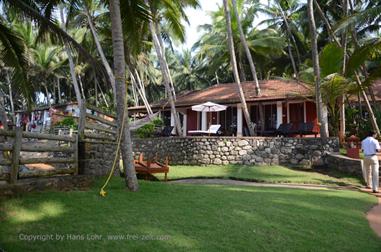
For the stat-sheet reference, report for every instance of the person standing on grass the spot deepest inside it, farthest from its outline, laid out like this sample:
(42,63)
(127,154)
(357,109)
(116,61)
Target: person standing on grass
(370,147)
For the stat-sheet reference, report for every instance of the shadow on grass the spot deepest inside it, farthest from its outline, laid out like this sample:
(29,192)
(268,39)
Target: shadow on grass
(209,218)
(267,174)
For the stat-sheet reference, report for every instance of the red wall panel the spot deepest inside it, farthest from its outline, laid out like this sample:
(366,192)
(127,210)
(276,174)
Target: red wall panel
(191,119)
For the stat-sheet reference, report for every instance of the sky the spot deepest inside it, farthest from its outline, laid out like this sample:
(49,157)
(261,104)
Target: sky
(199,17)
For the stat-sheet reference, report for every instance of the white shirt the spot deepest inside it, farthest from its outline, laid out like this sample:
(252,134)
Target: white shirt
(370,146)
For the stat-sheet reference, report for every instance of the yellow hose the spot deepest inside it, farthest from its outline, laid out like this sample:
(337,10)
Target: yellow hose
(102,192)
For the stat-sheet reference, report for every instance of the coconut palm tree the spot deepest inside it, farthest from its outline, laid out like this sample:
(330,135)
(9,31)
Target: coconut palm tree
(40,13)
(266,45)
(88,12)
(173,12)
(187,74)
(246,47)
(320,107)
(120,83)
(45,63)
(283,15)
(235,69)
(80,101)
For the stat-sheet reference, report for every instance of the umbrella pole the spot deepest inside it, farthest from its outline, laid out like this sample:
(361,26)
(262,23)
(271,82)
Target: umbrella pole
(210,122)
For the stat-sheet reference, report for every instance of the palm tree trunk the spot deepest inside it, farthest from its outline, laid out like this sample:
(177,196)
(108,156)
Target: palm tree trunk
(140,89)
(82,110)
(54,94)
(59,90)
(364,70)
(102,94)
(321,111)
(11,98)
(121,95)
(143,91)
(157,30)
(292,59)
(96,92)
(3,114)
(247,50)
(290,35)
(100,51)
(81,85)
(241,68)
(135,95)
(342,99)
(47,94)
(165,74)
(235,70)
(327,24)
(373,119)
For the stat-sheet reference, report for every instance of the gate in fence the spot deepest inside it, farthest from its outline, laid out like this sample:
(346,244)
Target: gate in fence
(20,149)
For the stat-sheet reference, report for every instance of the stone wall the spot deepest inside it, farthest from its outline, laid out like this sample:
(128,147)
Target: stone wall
(233,150)
(96,158)
(345,164)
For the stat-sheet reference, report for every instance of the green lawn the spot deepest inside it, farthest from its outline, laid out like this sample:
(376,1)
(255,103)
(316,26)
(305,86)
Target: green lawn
(270,174)
(189,217)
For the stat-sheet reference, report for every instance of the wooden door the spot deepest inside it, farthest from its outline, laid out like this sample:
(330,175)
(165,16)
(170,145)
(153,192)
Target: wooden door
(296,114)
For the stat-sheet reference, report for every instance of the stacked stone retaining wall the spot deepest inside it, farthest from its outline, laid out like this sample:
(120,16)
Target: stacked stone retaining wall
(344,164)
(97,157)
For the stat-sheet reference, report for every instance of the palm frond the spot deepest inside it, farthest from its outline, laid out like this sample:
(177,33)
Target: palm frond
(369,50)
(12,53)
(366,16)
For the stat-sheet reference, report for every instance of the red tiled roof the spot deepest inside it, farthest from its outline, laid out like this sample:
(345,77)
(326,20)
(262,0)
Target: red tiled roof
(228,93)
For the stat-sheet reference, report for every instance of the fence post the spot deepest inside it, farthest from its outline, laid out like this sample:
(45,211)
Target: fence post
(16,155)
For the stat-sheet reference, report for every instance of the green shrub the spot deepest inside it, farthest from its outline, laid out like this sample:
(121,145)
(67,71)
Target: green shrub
(149,129)
(69,122)
(158,122)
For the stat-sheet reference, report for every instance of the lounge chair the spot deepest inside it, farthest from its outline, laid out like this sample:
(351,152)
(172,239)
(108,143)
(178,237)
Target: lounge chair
(150,167)
(213,129)
(307,129)
(165,132)
(285,129)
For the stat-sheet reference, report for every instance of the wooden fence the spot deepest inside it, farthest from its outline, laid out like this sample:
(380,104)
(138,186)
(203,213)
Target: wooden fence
(101,127)
(18,141)
(17,146)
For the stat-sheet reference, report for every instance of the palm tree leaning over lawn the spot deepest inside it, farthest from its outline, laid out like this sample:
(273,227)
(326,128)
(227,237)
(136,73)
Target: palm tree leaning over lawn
(282,15)
(81,105)
(247,50)
(235,69)
(89,7)
(320,107)
(120,83)
(366,21)
(164,71)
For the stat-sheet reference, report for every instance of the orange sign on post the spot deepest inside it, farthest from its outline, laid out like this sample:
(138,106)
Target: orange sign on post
(353,147)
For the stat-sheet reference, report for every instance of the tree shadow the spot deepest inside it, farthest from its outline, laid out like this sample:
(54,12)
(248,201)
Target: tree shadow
(193,217)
